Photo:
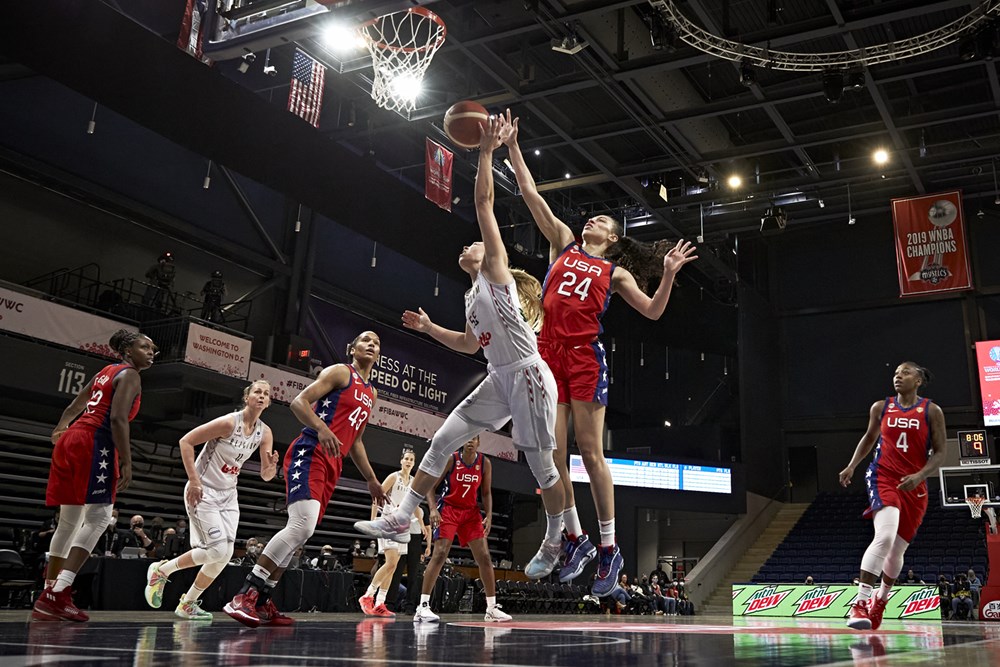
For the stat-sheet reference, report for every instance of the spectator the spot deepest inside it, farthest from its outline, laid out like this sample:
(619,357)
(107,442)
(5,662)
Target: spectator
(657,598)
(911,578)
(111,541)
(976,584)
(298,559)
(160,279)
(182,532)
(809,580)
(155,530)
(621,595)
(43,536)
(326,560)
(961,601)
(684,605)
(136,536)
(212,294)
(944,593)
(251,552)
(670,593)
(356,549)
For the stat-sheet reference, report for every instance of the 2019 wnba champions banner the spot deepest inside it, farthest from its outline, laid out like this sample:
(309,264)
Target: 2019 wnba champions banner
(931,249)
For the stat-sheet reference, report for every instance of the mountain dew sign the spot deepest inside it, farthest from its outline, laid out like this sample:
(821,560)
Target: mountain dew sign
(830,601)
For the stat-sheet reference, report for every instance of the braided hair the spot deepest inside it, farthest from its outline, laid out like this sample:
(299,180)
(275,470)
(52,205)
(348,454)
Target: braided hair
(123,339)
(924,373)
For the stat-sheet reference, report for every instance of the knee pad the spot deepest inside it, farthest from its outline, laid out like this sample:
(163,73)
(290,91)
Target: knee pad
(70,518)
(894,560)
(886,522)
(302,516)
(214,569)
(454,433)
(543,467)
(220,552)
(95,519)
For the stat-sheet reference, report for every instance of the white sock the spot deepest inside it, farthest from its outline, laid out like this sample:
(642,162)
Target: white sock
(407,507)
(63,581)
(572,521)
(491,601)
(380,597)
(425,599)
(883,592)
(553,528)
(372,589)
(194,593)
(171,566)
(607,533)
(864,592)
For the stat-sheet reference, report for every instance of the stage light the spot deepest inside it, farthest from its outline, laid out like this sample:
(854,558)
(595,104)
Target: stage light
(538,152)
(248,59)
(833,85)
(880,156)
(822,204)
(734,181)
(774,220)
(748,76)
(567,174)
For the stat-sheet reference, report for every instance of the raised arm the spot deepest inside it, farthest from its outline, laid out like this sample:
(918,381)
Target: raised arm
(555,230)
(866,443)
(460,341)
(624,283)
(494,266)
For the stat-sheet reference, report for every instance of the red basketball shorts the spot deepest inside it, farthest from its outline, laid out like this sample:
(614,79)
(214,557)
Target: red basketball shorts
(466,524)
(310,472)
(912,505)
(580,370)
(84,469)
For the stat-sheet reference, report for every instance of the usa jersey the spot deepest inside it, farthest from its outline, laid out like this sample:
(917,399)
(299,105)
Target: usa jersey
(220,460)
(494,314)
(345,411)
(460,488)
(903,440)
(575,295)
(97,414)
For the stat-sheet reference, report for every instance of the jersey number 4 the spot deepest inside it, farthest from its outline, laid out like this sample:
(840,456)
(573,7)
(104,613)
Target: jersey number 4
(569,286)
(901,442)
(357,417)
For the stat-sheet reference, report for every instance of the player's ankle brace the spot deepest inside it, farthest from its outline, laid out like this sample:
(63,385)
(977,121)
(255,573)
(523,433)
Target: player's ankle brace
(255,582)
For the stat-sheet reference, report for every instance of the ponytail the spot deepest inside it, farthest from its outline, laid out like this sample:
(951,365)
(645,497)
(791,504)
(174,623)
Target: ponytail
(643,260)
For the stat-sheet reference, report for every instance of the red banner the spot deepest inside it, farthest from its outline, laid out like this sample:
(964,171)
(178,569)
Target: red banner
(931,248)
(437,175)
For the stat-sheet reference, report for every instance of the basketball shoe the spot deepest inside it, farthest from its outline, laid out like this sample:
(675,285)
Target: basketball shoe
(495,614)
(367,603)
(190,610)
(243,608)
(57,605)
(544,561)
(269,615)
(382,610)
(154,585)
(858,618)
(386,527)
(875,611)
(425,615)
(578,551)
(609,568)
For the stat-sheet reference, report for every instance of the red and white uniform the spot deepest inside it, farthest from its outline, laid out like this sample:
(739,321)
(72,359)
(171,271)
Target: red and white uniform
(84,467)
(575,295)
(458,501)
(905,436)
(309,471)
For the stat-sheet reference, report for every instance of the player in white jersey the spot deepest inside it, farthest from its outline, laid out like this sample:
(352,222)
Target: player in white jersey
(395,487)
(210,495)
(502,311)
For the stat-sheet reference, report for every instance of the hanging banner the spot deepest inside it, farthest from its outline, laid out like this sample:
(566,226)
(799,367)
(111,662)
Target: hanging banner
(55,323)
(217,351)
(988,362)
(931,248)
(437,175)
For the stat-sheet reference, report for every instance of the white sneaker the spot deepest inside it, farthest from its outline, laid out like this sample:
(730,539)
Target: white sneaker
(544,561)
(425,615)
(386,528)
(496,615)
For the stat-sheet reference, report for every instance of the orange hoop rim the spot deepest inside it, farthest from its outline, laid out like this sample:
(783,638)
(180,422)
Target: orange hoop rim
(419,9)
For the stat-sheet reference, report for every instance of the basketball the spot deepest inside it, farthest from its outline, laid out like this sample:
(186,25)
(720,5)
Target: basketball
(461,123)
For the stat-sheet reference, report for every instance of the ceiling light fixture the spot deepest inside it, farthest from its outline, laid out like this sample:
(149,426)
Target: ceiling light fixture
(748,77)
(833,85)
(850,217)
(570,45)
(880,156)
(734,181)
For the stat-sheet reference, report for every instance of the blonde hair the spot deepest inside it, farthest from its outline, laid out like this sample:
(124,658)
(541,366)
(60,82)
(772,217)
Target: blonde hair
(249,388)
(529,292)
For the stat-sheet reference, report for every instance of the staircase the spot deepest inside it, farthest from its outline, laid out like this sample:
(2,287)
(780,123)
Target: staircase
(721,600)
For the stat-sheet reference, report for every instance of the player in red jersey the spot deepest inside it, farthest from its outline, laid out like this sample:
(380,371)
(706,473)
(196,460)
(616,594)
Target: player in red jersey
(578,287)
(901,428)
(335,410)
(91,462)
(456,514)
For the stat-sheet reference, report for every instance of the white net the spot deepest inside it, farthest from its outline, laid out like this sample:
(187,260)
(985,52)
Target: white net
(976,506)
(402,45)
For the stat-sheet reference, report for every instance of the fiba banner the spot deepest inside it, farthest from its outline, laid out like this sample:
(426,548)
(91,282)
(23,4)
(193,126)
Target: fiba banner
(284,385)
(437,175)
(217,351)
(931,249)
(830,601)
(55,323)
(410,420)
(988,363)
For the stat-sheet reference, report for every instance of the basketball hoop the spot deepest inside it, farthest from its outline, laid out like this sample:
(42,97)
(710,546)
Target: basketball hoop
(976,506)
(402,45)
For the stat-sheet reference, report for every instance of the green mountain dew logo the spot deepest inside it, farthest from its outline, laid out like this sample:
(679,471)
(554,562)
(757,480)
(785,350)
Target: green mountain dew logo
(816,599)
(765,599)
(919,602)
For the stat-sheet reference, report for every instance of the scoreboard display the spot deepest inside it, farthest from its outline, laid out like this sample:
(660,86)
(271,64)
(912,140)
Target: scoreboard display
(973,448)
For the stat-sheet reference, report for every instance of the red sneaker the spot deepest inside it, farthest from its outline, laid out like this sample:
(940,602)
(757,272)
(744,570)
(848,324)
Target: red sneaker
(875,612)
(858,618)
(57,606)
(367,603)
(382,611)
(269,615)
(243,608)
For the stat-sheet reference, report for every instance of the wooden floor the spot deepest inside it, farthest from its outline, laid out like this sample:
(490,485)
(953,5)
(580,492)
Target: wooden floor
(153,638)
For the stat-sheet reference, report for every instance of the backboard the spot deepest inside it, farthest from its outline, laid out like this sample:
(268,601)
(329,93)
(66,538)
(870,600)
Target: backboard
(958,483)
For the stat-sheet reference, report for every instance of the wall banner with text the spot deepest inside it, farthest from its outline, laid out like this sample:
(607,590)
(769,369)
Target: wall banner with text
(988,363)
(931,247)
(830,601)
(217,351)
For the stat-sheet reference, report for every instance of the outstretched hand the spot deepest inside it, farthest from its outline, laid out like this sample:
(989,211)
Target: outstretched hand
(418,321)
(679,255)
(508,133)
(489,133)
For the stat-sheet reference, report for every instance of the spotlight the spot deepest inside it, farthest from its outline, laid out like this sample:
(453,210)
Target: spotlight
(881,156)
(270,70)
(341,38)
(822,204)
(734,181)
(567,174)
(661,34)
(833,85)
(774,10)
(248,59)
(851,220)
(538,152)
(774,220)
(570,45)
(854,80)
(666,423)
(748,77)
(968,48)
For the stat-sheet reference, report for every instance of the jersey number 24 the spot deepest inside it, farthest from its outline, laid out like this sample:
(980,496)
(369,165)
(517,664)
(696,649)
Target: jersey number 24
(569,286)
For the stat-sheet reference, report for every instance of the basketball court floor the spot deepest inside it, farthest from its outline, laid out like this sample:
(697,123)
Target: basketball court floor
(152,638)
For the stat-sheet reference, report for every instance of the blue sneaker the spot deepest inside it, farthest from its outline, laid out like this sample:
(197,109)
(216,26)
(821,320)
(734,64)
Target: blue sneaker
(578,552)
(609,570)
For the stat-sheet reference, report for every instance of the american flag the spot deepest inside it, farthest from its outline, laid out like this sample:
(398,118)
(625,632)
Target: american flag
(305,98)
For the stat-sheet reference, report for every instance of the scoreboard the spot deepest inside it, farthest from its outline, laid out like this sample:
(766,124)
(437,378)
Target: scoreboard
(973,448)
